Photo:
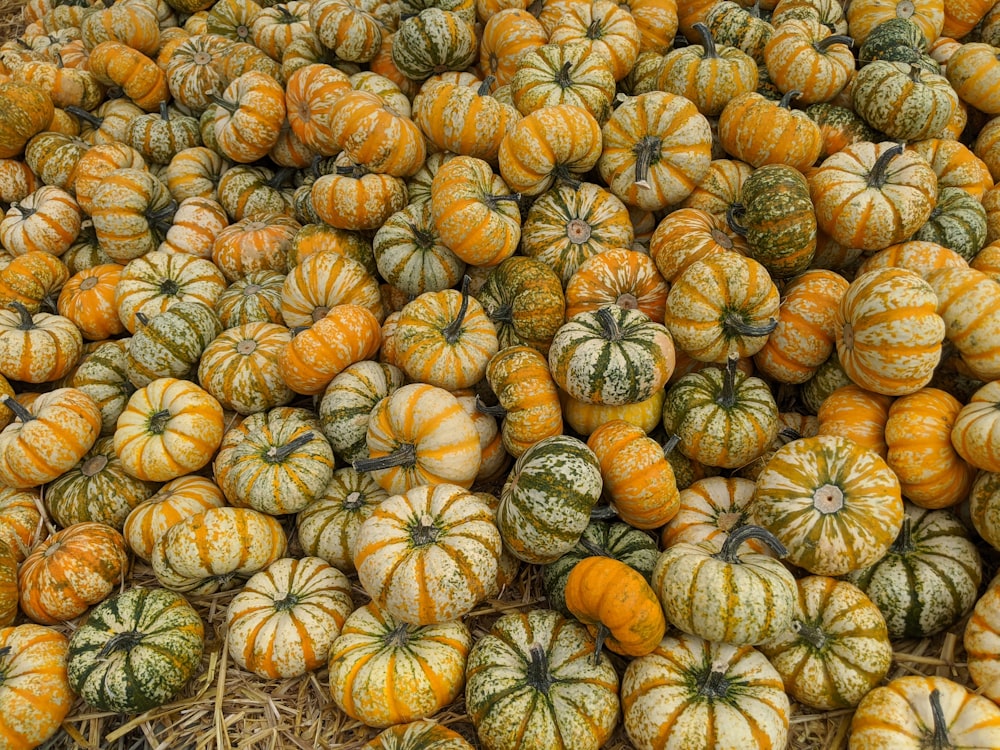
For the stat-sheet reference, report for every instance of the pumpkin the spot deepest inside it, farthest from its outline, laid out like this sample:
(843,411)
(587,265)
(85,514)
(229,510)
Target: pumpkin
(257,242)
(888,331)
(169,344)
(913,709)
(96,489)
(116,64)
(657,147)
(711,508)
(698,694)
(942,569)
(248,117)
(422,734)
(837,648)
(524,299)
(973,434)
(835,505)
(135,651)
(760,131)
(347,403)
(48,219)
(131,211)
(48,438)
(276,462)
(21,524)
(69,571)
(256,298)
(721,306)
(918,435)
(375,653)
(37,348)
(216,549)
(690,234)
(323,280)
(958,222)
(410,255)
(722,417)
(88,299)
(433,40)
(611,356)
(627,278)
(284,620)
(564,74)
(30,278)
(239,367)
(972,71)
(173,502)
(536,680)
(353,198)
(8,584)
(406,553)
(547,498)
(527,397)
(980,640)
(169,428)
(852,412)
(35,695)
(103,376)
(25,110)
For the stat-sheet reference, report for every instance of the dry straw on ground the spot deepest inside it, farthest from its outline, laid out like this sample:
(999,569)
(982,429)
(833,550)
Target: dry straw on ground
(226,708)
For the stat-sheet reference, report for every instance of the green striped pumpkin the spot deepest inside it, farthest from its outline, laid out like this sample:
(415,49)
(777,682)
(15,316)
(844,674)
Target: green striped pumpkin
(898,40)
(611,356)
(928,579)
(631,546)
(96,489)
(546,501)
(170,344)
(348,401)
(136,650)
(776,216)
(103,376)
(410,255)
(958,221)
(432,41)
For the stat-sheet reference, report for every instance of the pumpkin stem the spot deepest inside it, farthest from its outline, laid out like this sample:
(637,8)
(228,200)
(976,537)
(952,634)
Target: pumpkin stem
(734,324)
(496,410)
(486,86)
(714,684)
(609,326)
(404,455)
(142,318)
(88,117)
(562,77)
(603,513)
(904,541)
(645,150)
(164,112)
(727,399)
(706,40)
(27,323)
(5,651)
(502,314)
(493,200)
(227,105)
(453,330)
(595,550)
(169,287)
(93,465)
(603,631)
(941,740)
(287,602)
(788,434)
(276,454)
(824,44)
(424,532)
(915,71)
(786,100)
(537,674)
(735,210)
(815,637)
(158,421)
(398,637)
(671,443)
(280,177)
(121,642)
(20,411)
(744,533)
(163,217)
(594,30)
(876,178)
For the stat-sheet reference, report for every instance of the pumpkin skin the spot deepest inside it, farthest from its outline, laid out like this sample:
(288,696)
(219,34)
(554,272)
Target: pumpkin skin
(433,39)
(722,417)
(591,354)
(701,695)
(547,498)
(407,553)
(837,649)
(535,680)
(26,110)
(911,710)
(168,429)
(975,432)
(71,570)
(21,524)
(284,620)
(918,435)
(348,401)
(904,101)
(136,650)
(836,506)
(980,641)
(888,331)
(942,570)
(48,438)
(102,375)
(627,278)
(852,412)
(564,74)
(422,734)
(8,584)
(375,655)
(35,695)
(276,462)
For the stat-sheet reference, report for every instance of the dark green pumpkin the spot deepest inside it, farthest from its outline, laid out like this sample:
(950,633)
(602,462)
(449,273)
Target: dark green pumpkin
(898,40)
(928,579)
(524,299)
(546,501)
(958,222)
(776,216)
(170,344)
(96,489)
(135,651)
(733,25)
(434,40)
(618,540)
(348,401)
(828,377)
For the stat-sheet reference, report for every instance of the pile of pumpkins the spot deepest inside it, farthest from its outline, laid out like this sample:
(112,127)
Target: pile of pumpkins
(707,294)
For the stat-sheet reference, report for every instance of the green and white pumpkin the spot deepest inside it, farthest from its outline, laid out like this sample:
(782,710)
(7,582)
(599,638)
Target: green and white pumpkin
(928,579)
(170,344)
(103,376)
(534,681)
(136,650)
(348,401)
(957,221)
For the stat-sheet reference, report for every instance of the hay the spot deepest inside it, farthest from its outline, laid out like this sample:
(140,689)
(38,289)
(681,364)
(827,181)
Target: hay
(11,19)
